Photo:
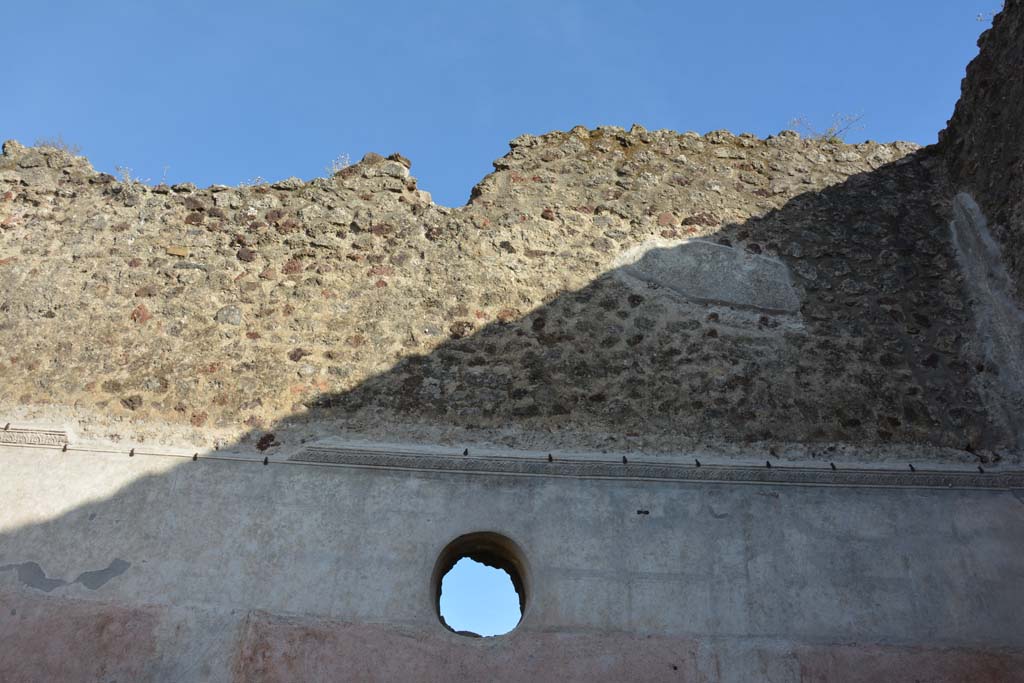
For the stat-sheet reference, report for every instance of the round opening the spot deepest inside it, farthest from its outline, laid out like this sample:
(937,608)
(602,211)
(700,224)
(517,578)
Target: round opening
(479,585)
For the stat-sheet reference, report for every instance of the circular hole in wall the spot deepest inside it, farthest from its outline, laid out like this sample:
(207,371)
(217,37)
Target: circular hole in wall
(480,585)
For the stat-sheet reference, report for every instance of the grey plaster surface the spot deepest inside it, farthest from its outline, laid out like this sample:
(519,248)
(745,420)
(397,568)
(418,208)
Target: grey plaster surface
(801,563)
(998,317)
(707,272)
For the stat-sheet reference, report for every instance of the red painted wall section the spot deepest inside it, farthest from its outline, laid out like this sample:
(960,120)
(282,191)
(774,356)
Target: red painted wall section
(47,638)
(870,664)
(60,639)
(278,649)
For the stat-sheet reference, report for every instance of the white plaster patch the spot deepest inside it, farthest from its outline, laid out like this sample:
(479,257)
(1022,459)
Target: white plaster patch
(710,273)
(998,318)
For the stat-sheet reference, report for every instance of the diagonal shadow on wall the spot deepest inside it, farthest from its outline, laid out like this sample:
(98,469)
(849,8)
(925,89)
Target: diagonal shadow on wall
(840,317)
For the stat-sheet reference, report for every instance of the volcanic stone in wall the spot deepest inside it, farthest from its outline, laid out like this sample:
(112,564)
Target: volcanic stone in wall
(813,296)
(984,140)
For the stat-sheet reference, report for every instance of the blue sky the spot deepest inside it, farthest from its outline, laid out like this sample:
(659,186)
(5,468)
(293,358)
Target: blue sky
(222,92)
(478,598)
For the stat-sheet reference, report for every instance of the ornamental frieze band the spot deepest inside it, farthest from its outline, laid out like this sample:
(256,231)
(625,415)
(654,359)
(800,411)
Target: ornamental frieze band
(32,437)
(778,474)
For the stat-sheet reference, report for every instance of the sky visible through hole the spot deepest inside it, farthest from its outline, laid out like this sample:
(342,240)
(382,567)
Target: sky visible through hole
(478,598)
(232,91)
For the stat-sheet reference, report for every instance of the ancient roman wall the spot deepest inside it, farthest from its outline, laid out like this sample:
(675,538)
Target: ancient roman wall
(601,286)
(735,408)
(982,143)
(155,567)
(984,152)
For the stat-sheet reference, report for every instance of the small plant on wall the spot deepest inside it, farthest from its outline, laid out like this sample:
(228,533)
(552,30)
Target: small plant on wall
(59,143)
(842,125)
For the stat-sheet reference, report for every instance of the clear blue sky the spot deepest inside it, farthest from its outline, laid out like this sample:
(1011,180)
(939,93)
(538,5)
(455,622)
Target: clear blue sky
(222,92)
(478,598)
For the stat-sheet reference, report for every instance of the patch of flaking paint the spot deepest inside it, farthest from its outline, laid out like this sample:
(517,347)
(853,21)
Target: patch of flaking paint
(94,579)
(33,576)
(717,515)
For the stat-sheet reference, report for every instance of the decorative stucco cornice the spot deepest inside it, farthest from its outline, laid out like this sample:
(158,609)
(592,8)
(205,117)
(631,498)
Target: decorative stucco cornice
(643,471)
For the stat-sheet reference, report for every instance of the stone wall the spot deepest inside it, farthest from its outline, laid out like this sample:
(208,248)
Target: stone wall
(602,285)
(666,298)
(983,142)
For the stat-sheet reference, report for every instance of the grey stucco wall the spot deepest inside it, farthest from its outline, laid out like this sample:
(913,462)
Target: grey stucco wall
(722,566)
